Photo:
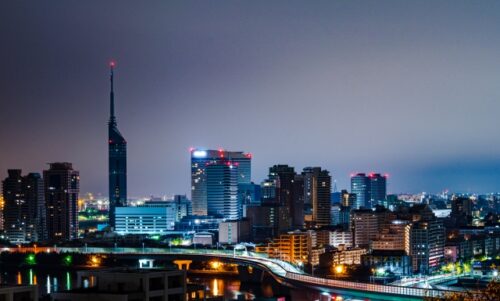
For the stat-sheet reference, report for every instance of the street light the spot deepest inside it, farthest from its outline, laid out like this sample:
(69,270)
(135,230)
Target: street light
(339,269)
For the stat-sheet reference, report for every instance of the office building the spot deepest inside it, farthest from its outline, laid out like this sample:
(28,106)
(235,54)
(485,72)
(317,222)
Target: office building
(395,262)
(117,159)
(233,232)
(317,189)
(334,237)
(126,284)
(249,193)
(348,199)
(365,226)
(336,197)
(335,214)
(200,160)
(394,236)
(370,190)
(297,247)
(427,245)
(267,221)
(62,185)
(152,218)
(144,220)
(340,237)
(360,186)
(24,207)
(345,217)
(222,190)
(461,206)
(298,202)
(34,194)
(378,189)
(342,255)
(285,188)
(268,192)
(203,238)
(184,206)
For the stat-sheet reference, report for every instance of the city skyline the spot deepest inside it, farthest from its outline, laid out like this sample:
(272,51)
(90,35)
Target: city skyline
(242,88)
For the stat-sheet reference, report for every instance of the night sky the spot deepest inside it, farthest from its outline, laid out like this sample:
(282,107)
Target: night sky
(406,88)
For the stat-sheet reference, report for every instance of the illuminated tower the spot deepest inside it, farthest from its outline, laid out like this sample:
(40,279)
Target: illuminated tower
(117,160)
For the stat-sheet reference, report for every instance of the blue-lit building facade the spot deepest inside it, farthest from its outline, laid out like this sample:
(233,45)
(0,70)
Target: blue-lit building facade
(215,176)
(152,220)
(370,190)
(222,190)
(360,186)
(378,189)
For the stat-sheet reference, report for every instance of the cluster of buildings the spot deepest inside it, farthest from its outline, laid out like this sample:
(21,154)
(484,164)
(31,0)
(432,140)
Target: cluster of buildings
(39,208)
(292,214)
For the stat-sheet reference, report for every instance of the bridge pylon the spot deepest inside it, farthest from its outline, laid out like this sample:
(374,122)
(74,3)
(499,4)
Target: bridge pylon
(183,264)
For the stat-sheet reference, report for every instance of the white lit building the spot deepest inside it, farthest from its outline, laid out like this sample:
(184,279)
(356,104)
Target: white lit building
(232,232)
(145,220)
(341,238)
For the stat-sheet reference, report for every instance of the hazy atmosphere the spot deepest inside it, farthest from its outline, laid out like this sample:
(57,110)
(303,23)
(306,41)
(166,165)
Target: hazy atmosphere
(411,89)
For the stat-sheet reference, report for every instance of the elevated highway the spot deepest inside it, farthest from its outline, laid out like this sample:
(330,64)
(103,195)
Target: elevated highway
(284,272)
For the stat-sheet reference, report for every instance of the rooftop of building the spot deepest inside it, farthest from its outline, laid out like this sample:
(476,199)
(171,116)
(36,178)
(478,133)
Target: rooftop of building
(388,253)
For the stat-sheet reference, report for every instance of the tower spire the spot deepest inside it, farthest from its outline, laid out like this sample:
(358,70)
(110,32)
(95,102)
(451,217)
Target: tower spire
(112,118)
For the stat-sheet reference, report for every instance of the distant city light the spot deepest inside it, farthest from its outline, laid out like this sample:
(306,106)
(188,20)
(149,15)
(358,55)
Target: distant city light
(199,154)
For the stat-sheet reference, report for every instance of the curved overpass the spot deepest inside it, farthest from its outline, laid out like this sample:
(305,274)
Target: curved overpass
(282,271)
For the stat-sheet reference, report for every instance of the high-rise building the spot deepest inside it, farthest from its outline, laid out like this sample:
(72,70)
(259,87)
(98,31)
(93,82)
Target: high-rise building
(298,202)
(461,206)
(360,185)
(370,190)
(222,190)
(427,245)
(24,210)
(200,159)
(184,206)
(117,152)
(268,192)
(345,217)
(335,214)
(15,204)
(34,194)
(283,176)
(365,225)
(267,220)
(394,236)
(249,195)
(317,188)
(233,232)
(378,189)
(348,199)
(62,185)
